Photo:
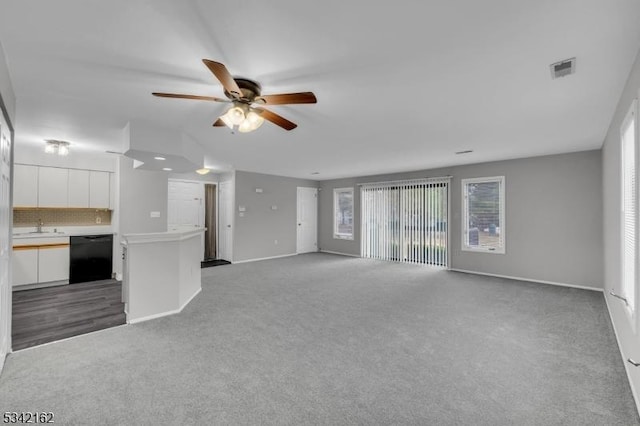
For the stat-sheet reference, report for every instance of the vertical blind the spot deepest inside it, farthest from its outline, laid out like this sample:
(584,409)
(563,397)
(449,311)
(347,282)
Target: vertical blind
(406,221)
(629,210)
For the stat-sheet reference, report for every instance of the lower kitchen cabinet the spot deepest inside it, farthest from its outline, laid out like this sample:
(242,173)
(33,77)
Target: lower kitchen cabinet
(25,266)
(40,260)
(53,264)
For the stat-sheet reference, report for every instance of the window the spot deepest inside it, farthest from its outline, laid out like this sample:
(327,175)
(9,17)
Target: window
(483,227)
(343,213)
(406,221)
(629,208)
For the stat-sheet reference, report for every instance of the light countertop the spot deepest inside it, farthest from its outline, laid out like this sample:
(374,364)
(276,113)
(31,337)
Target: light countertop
(60,231)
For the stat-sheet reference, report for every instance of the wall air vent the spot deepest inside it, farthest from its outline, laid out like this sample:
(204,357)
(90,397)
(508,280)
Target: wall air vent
(563,68)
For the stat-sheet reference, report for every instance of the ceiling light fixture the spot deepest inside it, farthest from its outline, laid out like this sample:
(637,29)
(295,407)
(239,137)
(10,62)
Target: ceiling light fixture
(57,147)
(159,158)
(167,169)
(242,117)
(203,171)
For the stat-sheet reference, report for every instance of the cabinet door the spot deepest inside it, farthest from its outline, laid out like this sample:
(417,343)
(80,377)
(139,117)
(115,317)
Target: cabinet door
(99,190)
(25,266)
(25,186)
(53,264)
(53,190)
(78,188)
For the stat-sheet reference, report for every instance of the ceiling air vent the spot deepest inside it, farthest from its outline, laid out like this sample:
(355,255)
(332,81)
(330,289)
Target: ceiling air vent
(563,68)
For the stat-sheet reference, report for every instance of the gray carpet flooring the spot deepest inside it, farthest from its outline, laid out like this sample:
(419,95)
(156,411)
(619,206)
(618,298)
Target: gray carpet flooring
(323,339)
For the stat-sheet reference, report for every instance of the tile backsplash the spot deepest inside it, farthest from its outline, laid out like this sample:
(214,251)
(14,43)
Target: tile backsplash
(61,217)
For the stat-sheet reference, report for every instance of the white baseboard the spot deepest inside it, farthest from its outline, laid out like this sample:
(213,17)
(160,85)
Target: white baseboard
(190,299)
(527,279)
(264,258)
(339,253)
(164,314)
(624,361)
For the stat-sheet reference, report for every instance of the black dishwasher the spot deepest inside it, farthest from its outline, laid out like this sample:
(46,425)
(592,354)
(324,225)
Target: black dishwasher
(91,258)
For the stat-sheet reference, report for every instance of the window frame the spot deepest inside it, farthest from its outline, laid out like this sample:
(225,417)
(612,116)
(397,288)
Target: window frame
(631,116)
(465,216)
(336,194)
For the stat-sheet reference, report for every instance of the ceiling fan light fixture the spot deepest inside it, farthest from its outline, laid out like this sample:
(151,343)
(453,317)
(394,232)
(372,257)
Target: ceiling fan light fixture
(236,115)
(203,171)
(251,123)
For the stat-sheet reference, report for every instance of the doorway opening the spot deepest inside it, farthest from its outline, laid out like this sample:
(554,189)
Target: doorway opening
(211,257)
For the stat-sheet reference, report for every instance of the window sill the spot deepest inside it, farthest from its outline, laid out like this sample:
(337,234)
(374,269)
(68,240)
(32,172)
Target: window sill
(484,250)
(338,237)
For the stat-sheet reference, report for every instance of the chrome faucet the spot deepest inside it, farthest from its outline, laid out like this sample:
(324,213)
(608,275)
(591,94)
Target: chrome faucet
(39,227)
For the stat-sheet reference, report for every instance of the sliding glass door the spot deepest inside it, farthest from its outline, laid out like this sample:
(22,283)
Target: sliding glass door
(406,221)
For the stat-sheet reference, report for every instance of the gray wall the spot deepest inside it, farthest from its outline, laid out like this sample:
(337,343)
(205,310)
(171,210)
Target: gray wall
(141,192)
(553,217)
(256,232)
(612,189)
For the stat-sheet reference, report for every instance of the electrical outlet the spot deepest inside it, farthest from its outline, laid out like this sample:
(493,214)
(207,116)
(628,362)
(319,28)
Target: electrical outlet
(98,220)
(275,242)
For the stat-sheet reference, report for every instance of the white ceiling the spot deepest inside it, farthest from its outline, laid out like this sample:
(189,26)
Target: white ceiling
(401,85)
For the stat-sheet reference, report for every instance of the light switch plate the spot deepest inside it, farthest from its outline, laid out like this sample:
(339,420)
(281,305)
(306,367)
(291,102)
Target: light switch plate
(154,214)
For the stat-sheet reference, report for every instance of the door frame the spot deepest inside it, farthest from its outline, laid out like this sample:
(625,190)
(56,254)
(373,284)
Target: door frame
(316,192)
(203,210)
(232,203)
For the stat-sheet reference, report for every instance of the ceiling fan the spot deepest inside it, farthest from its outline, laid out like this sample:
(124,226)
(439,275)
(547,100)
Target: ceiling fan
(243,94)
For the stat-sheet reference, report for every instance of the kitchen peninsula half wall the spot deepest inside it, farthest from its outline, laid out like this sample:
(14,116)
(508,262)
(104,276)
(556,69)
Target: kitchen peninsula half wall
(161,272)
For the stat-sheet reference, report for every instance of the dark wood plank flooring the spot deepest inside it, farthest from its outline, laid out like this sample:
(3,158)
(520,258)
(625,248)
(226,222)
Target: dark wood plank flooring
(48,314)
(213,262)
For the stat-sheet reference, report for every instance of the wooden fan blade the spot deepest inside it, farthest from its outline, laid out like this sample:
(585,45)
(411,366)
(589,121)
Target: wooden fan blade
(219,123)
(226,79)
(195,97)
(288,98)
(276,119)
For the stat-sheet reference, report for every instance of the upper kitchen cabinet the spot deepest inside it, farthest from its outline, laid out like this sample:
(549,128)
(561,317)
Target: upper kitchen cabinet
(78,188)
(25,185)
(99,190)
(53,187)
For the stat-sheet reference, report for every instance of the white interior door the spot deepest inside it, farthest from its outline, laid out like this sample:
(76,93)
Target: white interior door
(186,204)
(225,221)
(307,224)
(5,240)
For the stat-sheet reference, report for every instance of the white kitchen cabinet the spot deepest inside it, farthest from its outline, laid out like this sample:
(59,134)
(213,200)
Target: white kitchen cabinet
(53,190)
(99,190)
(53,264)
(25,266)
(78,188)
(25,185)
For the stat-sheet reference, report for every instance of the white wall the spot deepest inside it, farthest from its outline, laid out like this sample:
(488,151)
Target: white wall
(30,154)
(6,89)
(553,217)
(628,339)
